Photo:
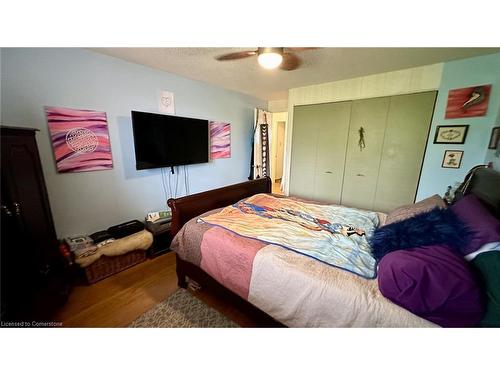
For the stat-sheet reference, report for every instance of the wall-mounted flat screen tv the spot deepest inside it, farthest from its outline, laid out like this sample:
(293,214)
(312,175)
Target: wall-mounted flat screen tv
(167,141)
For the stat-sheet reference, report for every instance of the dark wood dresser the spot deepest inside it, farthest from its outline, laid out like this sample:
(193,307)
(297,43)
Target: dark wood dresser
(32,277)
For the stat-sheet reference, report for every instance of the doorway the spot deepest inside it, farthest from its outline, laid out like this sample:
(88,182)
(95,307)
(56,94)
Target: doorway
(278,151)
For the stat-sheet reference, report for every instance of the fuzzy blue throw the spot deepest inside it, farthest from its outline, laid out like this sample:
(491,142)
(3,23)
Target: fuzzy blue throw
(436,227)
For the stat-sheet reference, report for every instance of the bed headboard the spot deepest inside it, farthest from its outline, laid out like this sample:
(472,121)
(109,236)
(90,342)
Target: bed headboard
(185,208)
(485,185)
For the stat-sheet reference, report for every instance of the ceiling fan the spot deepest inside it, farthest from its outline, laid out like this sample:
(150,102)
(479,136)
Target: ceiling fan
(271,57)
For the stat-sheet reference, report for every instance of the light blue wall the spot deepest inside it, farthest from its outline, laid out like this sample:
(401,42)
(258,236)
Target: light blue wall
(493,155)
(457,74)
(89,201)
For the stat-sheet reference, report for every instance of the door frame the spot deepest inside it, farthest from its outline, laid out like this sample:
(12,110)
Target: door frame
(277,117)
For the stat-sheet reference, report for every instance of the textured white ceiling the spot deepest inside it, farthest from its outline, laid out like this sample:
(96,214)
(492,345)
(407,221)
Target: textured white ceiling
(319,66)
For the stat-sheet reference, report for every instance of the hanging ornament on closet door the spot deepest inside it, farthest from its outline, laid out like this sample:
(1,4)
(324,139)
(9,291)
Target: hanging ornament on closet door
(361,142)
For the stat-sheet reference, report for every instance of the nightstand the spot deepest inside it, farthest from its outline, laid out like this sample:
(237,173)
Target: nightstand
(162,237)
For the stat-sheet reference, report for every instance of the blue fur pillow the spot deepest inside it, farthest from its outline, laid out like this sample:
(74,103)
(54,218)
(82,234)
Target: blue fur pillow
(436,227)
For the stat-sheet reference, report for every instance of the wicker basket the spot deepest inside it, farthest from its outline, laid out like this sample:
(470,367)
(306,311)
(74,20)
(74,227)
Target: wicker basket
(106,266)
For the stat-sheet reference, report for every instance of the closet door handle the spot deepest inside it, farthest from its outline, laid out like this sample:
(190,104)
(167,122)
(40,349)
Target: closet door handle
(360,175)
(6,210)
(17,208)
(329,172)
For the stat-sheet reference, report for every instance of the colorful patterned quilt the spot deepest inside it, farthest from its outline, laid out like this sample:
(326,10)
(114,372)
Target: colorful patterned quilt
(334,235)
(296,290)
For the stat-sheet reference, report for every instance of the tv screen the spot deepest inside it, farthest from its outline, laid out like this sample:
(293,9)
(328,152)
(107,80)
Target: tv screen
(167,141)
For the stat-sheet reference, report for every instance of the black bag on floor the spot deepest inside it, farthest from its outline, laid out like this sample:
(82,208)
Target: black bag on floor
(126,229)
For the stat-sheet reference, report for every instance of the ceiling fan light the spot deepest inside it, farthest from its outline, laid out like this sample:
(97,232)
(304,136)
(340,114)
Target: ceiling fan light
(270,60)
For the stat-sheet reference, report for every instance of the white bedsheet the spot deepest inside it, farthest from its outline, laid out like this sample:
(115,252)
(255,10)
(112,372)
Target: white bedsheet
(313,294)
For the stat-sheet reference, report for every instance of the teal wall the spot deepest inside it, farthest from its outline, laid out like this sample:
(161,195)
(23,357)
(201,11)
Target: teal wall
(458,74)
(493,155)
(89,201)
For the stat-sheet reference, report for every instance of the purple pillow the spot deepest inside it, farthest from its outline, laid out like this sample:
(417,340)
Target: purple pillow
(484,226)
(433,283)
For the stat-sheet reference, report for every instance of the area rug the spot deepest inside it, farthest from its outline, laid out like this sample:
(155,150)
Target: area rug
(182,310)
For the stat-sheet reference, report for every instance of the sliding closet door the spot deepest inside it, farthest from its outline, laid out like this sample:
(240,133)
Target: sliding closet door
(333,129)
(406,134)
(364,151)
(319,141)
(303,158)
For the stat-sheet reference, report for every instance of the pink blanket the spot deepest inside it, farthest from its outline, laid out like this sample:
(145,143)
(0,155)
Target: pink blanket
(228,258)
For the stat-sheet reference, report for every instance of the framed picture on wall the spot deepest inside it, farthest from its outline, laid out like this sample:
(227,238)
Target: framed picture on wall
(452,159)
(495,138)
(451,134)
(468,102)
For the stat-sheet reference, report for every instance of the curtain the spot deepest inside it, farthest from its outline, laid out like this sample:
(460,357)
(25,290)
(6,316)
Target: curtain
(260,158)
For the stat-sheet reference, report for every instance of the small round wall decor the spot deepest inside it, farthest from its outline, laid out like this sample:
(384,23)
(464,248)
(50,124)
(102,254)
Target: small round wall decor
(82,140)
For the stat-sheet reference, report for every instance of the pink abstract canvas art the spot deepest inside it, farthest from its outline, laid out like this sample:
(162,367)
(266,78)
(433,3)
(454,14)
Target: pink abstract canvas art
(80,139)
(220,140)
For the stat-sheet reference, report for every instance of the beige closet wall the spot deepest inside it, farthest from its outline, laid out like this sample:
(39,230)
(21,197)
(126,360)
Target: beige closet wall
(413,80)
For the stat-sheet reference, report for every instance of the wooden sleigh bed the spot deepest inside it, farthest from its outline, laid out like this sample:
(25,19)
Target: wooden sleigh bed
(186,208)
(484,184)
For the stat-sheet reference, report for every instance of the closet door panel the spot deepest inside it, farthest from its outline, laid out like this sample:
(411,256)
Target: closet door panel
(406,135)
(362,163)
(333,129)
(303,158)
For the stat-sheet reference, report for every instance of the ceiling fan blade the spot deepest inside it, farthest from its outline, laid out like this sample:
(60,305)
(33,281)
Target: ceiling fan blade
(236,55)
(290,61)
(298,49)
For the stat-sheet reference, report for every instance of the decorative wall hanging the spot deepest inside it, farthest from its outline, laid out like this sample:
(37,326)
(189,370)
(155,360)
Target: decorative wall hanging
(80,139)
(451,134)
(259,160)
(494,138)
(468,102)
(166,103)
(220,140)
(264,136)
(452,159)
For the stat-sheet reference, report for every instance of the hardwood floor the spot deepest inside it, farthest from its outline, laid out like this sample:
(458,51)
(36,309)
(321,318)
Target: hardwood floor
(121,298)
(276,187)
